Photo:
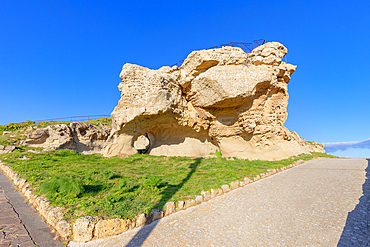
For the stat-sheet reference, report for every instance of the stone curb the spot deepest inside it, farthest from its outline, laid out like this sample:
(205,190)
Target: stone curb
(88,228)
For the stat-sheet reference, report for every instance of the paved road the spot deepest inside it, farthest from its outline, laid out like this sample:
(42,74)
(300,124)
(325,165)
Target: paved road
(20,224)
(320,203)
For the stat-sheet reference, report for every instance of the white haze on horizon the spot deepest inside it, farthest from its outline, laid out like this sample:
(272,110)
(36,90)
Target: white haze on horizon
(354,149)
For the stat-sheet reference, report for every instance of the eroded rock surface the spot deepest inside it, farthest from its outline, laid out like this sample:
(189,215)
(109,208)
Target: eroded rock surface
(219,99)
(79,136)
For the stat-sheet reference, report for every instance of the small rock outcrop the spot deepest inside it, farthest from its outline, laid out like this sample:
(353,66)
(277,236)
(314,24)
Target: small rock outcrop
(6,149)
(79,136)
(219,99)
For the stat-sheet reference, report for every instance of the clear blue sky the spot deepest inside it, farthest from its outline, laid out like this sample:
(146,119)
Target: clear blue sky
(63,58)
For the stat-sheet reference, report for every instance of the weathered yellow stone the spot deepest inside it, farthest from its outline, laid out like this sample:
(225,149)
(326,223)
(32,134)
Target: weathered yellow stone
(219,99)
(83,228)
(106,228)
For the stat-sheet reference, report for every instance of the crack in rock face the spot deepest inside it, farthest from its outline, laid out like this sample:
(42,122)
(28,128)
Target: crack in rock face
(219,99)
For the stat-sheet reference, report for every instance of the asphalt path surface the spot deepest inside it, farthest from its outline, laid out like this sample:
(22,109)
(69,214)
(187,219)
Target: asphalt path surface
(323,202)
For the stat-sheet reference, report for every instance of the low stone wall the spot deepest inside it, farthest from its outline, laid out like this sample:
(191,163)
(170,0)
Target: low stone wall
(87,228)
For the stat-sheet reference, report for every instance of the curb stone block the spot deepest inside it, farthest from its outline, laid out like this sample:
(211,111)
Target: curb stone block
(247,180)
(140,220)
(16,181)
(106,228)
(206,195)
(214,193)
(37,202)
(180,205)
(157,214)
(22,182)
(199,199)
(54,215)
(220,192)
(63,228)
(225,188)
(43,207)
(131,224)
(25,189)
(169,208)
(32,200)
(83,229)
(234,185)
(189,203)
(242,183)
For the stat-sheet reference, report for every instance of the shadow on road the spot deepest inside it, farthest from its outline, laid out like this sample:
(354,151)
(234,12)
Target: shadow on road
(144,232)
(357,229)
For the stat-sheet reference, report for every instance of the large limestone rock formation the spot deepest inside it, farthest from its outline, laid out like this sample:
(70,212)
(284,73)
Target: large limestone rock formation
(219,99)
(79,136)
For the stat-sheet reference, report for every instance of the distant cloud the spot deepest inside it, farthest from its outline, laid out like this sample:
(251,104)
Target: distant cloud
(342,146)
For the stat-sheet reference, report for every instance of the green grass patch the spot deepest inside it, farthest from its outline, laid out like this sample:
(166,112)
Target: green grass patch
(125,187)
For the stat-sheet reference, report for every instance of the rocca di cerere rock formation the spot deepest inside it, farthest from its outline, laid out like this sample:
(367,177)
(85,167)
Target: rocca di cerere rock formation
(219,99)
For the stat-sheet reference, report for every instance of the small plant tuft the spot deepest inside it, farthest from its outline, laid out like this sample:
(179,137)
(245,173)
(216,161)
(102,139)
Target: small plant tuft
(217,153)
(65,187)
(108,174)
(152,183)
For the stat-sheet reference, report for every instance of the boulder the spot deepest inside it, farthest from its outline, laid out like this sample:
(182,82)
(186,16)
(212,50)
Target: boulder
(9,149)
(142,144)
(79,136)
(219,99)
(6,132)
(269,54)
